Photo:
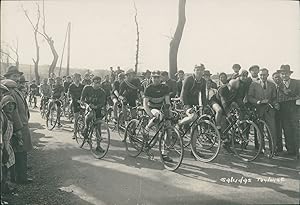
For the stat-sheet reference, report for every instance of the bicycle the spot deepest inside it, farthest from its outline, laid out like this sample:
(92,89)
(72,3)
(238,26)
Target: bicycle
(98,135)
(32,99)
(44,103)
(125,116)
(137,139)
(201,125)
(268,146)
(53,114)
(239,132)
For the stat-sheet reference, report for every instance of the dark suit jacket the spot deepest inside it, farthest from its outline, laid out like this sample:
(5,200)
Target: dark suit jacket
(290,93)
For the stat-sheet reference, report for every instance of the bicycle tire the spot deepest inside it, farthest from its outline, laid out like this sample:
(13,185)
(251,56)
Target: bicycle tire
(133,139)
(104,130)
(268,143)
(121,126)
(80,126)
(244,148)
(50,119)
(211,138)
(165,142)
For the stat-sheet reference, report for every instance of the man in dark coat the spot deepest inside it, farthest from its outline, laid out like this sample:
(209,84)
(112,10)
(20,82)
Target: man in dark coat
(20,122)
(288,93)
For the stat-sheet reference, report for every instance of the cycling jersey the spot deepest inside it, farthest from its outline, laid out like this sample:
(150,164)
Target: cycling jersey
(57,90)
(130,89)
(67,85)
(76,91)
(156,95)
(191,89)
(106,87)
(96,97)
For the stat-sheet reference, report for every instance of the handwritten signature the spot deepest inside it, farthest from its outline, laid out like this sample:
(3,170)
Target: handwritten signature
(245,180)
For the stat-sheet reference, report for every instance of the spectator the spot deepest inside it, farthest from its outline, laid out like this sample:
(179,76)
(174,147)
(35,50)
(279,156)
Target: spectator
(206,76)
(86,79)
(236,71)
(279,146)
(20,119)
(180,78)
(106,85)
(223,79)
(170,83)
(288,93)
(22,86)
(7,106)
(261,93)
(67,83)
(254,70)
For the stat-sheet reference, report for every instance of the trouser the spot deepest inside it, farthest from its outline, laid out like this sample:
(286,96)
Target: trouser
(288,115)
(268,115)
(21,166)
(279,145)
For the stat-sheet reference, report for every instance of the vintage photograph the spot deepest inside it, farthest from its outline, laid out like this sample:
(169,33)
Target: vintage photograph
(150,102)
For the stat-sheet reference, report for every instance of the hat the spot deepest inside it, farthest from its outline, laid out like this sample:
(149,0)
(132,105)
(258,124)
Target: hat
(22,79)
(12,70)
(148,71)
(207,72)
(155,73)
(164,73)
(201,66)
(130,71)
(285,68)
(3,87)
(254,67)
(9,83)
(121,75)
(244,72)
(180,71)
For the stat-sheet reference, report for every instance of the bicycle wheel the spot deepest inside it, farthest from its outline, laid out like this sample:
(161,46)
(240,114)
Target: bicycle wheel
(134,140)
(80,126)
(267,139)
(121,124)
(246,140)
(206,141)
(171,148)
(99,139)
(52,117)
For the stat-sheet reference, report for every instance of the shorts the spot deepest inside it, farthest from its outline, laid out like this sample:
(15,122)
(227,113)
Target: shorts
(76,106)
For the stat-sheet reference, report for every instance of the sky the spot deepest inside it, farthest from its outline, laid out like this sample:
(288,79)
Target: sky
(218,33)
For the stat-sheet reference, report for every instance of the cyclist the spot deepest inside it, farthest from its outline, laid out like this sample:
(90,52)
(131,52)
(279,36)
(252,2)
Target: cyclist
(23,87)
(57,97)
(180,79)
(86,79)
(95,97)
(193,93)
(130,89)
(106,86)
(156,96)
(172,85)
(75,91)
(115,94)
(33,92)
(51,82)
(45,92)
(67,83)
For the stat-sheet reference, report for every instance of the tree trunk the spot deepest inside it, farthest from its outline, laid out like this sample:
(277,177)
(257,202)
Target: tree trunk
(137,40)
(55,57)
(174,44)
(36,62)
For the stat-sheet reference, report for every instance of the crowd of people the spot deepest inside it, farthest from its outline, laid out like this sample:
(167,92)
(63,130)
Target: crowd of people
(275,97)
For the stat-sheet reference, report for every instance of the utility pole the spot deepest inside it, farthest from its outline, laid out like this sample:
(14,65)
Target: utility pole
(68,59)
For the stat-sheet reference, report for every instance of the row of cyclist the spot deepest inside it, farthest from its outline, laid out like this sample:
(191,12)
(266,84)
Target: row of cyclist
(202,119)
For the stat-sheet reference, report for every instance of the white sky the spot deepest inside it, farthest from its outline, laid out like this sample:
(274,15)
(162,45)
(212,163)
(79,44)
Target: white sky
(218,33)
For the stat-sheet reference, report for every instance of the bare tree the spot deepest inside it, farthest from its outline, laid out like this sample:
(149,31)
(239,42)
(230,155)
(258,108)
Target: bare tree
(174,44)
(51,44)
(14,49)
(137,39)
(35,28)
